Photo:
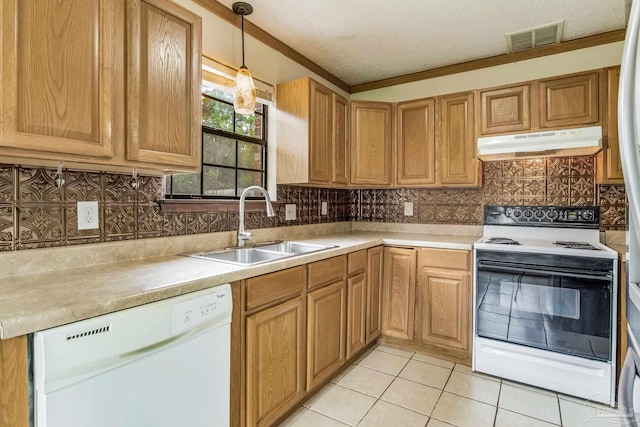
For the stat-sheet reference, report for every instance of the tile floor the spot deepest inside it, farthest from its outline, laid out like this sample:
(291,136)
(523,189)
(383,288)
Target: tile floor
(397,388)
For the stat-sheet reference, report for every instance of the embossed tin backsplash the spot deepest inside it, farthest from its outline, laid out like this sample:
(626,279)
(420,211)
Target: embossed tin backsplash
(34,213)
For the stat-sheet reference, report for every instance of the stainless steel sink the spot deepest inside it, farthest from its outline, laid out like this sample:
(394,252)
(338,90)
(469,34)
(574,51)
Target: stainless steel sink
(261,254)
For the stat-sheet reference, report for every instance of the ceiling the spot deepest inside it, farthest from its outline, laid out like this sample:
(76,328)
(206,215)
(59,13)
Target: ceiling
(361,41)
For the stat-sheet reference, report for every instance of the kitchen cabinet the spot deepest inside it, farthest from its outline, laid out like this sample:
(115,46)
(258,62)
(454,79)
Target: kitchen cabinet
(569,100)
(415,149)
(375,264)
(371,142)
(399,292)
(326,328)
(456,142)
(71,93)
(356,338)
(311,133)
(505,109)
(443,315)
(609,160)
(14,383)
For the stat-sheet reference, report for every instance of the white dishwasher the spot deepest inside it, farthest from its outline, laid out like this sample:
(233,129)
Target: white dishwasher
(163,364)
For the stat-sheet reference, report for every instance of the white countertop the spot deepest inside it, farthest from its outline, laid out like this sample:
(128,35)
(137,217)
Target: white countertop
(32,302)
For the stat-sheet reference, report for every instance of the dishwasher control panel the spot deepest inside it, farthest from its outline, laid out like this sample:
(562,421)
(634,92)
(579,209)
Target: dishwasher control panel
(211,308)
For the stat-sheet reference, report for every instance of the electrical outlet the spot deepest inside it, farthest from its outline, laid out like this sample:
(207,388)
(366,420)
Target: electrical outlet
(88,218)
(408,208)
(323,210)
(289,212)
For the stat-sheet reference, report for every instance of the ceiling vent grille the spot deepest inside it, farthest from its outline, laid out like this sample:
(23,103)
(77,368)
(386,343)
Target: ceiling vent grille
(535,37)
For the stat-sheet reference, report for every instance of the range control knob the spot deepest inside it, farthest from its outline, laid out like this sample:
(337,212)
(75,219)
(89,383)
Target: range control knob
(517,213)
(539,214)
(552,214)
(528,213)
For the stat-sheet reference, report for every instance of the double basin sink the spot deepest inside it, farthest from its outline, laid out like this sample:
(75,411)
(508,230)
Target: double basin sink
(262,253)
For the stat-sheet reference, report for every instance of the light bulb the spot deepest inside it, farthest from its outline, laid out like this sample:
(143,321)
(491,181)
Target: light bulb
(244,94)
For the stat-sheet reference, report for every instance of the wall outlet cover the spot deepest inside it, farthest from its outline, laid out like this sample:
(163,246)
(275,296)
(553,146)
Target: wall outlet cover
(323,208)
(290,212)
(408,208)
(88,216)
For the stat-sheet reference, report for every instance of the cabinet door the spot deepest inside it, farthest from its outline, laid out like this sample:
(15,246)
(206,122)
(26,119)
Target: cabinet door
(356,314)
(163,84)
(456,143)
(399,292)
(371,143)
(326,310)
(571,100)
(416,162)
(340,171)
(275,362)
(505,110)
(612,165)
(58,80)
(444,307)
(374,293)
(320,133)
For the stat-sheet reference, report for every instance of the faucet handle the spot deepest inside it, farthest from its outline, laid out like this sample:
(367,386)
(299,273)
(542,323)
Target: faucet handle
(244,235)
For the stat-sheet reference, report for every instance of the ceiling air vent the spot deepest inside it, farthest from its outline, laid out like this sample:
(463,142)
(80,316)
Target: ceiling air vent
(535,37)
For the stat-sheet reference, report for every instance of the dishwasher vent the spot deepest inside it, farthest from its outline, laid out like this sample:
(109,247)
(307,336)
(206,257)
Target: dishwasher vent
(100,330)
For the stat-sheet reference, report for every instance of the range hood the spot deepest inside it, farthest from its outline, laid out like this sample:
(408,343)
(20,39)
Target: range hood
(565,142)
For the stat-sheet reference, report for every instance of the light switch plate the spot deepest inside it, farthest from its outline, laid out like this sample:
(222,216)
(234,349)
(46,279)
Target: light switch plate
(408,208)
(289,212)
(324,208)
(88,218)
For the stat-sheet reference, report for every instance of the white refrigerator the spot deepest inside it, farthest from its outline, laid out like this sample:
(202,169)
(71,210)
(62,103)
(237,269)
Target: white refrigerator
(629,133)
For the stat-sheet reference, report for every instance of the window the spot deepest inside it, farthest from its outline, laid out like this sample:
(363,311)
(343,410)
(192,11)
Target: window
(234,148)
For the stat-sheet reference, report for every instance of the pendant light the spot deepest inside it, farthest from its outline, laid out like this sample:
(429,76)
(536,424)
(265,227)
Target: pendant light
(244,94)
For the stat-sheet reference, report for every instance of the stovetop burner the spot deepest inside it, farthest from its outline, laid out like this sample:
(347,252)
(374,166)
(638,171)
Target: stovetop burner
(501,241)
(575,245)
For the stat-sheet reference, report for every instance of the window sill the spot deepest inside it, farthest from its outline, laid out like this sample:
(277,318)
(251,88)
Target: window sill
(209,205)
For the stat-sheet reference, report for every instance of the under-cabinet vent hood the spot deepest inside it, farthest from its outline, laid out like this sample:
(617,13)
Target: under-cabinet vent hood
(565,142)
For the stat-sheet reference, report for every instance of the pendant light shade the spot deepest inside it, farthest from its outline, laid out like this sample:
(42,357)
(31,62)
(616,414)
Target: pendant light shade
(244,94)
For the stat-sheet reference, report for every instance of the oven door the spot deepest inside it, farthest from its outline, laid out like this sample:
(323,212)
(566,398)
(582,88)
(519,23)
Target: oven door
(523,299)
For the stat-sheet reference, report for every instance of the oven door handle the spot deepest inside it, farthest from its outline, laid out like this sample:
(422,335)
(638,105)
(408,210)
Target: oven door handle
(582,274)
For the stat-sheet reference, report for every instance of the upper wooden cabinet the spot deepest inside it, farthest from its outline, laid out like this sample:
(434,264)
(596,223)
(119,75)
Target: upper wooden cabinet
(312,138)
(101,84)
(609,160)
(569,101)
(415,154)
(456,146)
(59,90)
(371,141)
(505,109)
(164,113)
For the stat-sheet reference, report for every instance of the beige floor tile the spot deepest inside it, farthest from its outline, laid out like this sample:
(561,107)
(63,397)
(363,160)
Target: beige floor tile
(289,421)
(531,403)
(473,387)
(342,404)
(416,397)
(426,373)
(396,351)
(311,418)
(463,412)
(362,356)
(467,370)
(313,399)
(576,414)
(511,419)
(367,381)
(433,360)
(342,374)
(531,388)
(384,414)
(437,423)
(384,362)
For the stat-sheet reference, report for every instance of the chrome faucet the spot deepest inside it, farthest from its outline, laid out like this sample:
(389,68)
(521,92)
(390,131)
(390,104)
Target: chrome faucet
(244,235)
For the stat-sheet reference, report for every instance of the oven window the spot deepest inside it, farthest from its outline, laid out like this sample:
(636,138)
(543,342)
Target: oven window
(565,314)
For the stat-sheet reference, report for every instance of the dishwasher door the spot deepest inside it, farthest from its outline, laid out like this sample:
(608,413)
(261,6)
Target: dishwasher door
(164,364)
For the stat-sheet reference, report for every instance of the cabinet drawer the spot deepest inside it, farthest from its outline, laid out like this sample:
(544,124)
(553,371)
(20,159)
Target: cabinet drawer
(327,271)
(356,262)
(274,286)
(446,258)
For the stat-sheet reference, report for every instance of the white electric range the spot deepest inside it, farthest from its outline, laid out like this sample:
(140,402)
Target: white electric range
(544,297)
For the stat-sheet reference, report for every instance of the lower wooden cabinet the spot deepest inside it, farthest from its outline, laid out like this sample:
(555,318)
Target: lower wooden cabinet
(326,318)
(275,361)
(399,292)
(374,293)
(356,314)
(443,298)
